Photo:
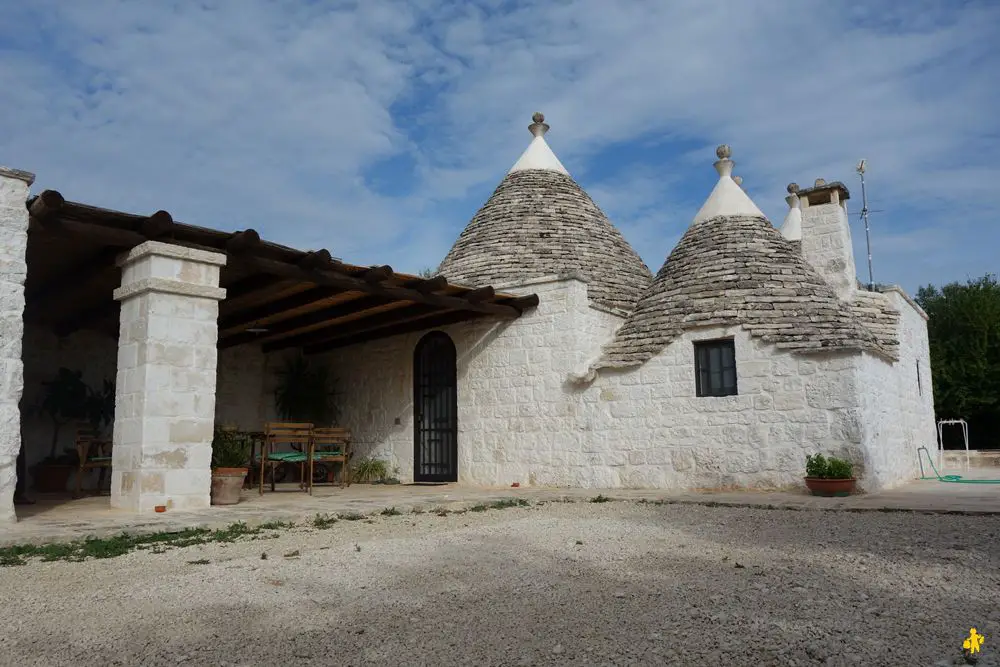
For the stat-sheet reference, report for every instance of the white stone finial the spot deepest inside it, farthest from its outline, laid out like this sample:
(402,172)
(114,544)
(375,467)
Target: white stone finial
(727,197)
(724,166)
(791,228)
(820,181)
(538,155)
(738,180)
(538,126)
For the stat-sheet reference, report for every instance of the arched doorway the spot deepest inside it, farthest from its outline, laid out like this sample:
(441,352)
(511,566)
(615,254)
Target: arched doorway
(435,409)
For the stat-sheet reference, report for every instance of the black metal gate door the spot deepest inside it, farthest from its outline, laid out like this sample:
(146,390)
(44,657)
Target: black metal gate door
(435,410)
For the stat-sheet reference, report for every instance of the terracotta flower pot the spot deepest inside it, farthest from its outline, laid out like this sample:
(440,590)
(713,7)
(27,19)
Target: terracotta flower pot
(830,487)
(226,485)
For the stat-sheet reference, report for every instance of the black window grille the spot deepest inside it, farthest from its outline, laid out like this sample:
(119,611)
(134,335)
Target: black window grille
(715,368)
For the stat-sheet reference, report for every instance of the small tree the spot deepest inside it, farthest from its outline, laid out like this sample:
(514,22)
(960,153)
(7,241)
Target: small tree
(964,331)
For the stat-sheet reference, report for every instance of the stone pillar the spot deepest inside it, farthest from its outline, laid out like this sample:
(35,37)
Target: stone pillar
(165,393)
(14,186)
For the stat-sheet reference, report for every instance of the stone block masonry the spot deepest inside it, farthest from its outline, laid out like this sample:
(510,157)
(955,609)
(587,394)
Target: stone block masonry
(14,186)
(165,394)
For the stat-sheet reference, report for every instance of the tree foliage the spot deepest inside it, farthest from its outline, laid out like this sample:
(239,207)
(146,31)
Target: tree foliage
(964,332)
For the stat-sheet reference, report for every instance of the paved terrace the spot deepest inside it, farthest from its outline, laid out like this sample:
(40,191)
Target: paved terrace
(58,519)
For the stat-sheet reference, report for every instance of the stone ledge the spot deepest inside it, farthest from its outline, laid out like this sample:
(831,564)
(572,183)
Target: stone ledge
(168,286)
(170,250)
(19,174)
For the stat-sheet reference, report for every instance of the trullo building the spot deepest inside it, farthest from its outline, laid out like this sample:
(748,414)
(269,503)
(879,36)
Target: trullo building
(544,353)
(751,348)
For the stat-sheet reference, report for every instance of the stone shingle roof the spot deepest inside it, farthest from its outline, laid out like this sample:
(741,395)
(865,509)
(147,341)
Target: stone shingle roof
(875,313)
(738,270)
(540,222)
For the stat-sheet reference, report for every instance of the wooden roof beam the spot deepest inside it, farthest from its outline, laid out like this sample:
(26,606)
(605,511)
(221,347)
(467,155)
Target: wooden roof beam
(372,322)
(293,324)
(273,309)
(46,205)
(76,273)
(347,282)
(431,285)
(453,317)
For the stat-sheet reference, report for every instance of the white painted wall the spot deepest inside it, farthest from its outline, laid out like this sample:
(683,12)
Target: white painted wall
(897,412)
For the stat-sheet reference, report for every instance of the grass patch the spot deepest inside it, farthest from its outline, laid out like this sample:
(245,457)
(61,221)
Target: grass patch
(351,516)
(390,511)
(119,545)
(323,521)
(277,525)
(600,499)
(200,561)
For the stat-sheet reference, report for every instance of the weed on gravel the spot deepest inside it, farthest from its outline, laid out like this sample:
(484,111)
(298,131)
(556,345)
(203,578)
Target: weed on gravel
(119,545)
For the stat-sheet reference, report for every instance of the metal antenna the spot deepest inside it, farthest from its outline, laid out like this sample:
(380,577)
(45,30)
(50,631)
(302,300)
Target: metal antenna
(864,215)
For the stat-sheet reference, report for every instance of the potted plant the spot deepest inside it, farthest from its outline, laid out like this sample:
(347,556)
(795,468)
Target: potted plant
(370,470)
(829,476)
(230,460)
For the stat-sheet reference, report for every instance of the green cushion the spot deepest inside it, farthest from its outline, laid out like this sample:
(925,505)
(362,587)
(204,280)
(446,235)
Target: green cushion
(299,457)
(287,457)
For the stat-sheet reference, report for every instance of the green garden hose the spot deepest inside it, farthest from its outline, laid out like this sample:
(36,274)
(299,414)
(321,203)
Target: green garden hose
(957,479)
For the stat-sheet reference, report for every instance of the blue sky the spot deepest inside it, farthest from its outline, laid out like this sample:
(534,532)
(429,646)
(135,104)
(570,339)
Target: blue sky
(377,128)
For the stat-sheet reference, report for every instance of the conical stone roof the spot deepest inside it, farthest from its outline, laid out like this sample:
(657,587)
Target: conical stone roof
(539,222)
(732,267)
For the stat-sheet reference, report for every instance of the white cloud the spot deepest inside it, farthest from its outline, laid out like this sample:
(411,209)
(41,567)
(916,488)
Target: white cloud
(269,115)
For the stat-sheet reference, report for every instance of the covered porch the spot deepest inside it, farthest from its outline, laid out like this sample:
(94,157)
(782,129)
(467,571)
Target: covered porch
(182,329)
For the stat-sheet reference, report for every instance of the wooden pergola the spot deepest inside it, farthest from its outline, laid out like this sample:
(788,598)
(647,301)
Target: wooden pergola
(277,296)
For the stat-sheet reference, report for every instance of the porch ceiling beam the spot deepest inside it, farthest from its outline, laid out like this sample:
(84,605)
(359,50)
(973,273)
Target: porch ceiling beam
(46,205)
(87,318)
(347,282)
(354,327)
(249,286)
(273,309)
(77,273)
(293,324)
(453,317)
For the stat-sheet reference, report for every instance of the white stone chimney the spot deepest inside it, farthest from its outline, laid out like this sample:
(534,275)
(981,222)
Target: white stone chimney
(825,233)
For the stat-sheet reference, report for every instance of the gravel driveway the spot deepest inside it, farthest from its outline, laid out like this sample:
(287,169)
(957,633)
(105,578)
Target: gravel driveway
(562,584)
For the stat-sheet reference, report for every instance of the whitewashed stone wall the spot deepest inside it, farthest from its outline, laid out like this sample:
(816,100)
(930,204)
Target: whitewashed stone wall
(897,409)
(651,430)
(827,245)
(14,187)
(167,367)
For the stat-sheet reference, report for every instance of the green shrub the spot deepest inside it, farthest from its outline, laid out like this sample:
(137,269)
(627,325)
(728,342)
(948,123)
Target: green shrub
(821,467)
(370,469)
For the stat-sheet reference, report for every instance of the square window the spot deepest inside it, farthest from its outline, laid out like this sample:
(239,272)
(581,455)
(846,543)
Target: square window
(715,368)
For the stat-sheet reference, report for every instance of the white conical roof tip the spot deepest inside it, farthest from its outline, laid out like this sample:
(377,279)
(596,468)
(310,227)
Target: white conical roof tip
(791,229)
(538,155)
(727,197)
